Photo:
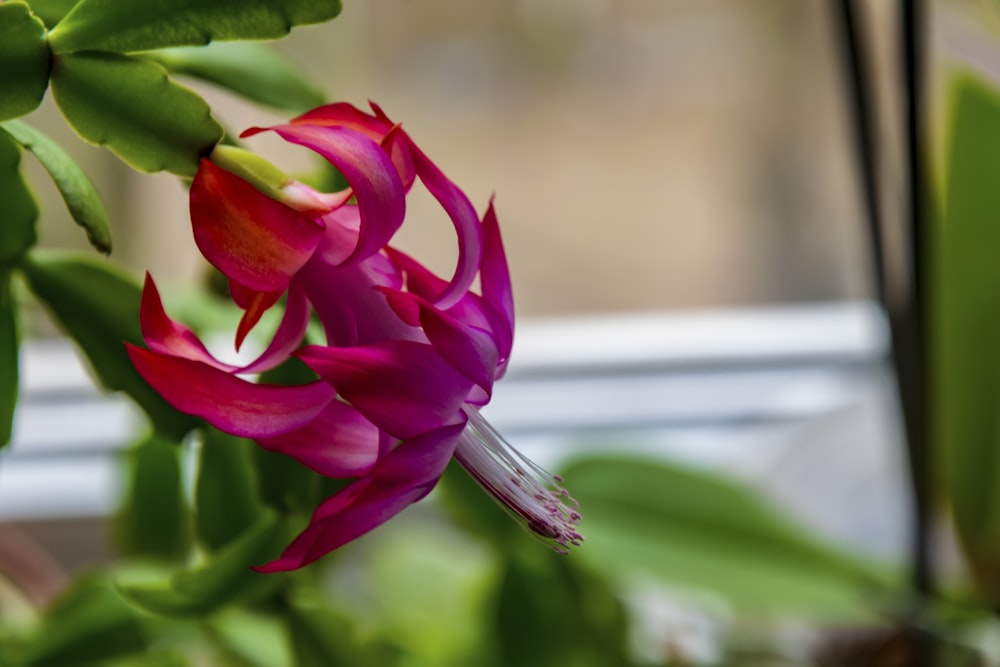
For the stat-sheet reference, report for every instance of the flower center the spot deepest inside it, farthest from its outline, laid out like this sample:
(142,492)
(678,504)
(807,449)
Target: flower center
(519,485)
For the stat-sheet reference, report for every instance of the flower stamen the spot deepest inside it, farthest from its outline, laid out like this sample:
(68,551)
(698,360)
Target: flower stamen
(519,485)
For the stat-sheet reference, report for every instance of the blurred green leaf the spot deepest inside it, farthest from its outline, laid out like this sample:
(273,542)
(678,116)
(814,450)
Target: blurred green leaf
(131,106)
(224,580)
(141,25)
(967,328)
(9,344)
(225,492)
(322,637)
(19,211)
(24,60)
(51,11)
(90,624)
(551,611)
(156,659)
(425,564)
(98,307)
(255,71)
(77,191)
(698,530)
(152,520)
(252,639)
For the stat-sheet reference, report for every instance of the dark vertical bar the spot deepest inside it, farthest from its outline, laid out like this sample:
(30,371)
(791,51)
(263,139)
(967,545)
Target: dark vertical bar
(862,114)
(914,354)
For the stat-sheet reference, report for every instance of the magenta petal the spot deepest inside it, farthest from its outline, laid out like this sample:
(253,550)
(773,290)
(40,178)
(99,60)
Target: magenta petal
(164,335)
(471,309)
(342,114)
(230,404)
(253,239)
(494,274)
(463,217)
(340,442)
(368,170)
(472,352)
(401,478)
(349,305)
(289,335)
(403,387)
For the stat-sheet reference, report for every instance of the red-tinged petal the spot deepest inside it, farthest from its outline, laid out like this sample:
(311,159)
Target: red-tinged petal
(230,404)
(368,170)
(401,478)
(258,305)
(244,297)
(463,218)
(289,335)
(254,305)
(253,239)
(167,336)
(470,351)
(404,388)
(347,115)
(340,442)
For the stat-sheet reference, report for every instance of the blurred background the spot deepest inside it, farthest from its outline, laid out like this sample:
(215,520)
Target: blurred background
(644,155)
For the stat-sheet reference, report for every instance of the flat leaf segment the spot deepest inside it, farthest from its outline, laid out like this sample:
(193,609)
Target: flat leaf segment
(139,25)
(24,60)
(129,105)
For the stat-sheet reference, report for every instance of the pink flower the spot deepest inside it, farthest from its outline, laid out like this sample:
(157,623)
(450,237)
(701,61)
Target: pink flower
(409,357)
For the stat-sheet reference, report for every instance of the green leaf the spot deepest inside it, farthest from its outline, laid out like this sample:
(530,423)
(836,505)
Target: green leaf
(252,639)
(551,611)
(77,191)
(225,492)
(152,520)
(131,106)
(967,328)
(225,579)
(98,307)
(255,71)
(24,60)
(89,624)
(19,212)
(51,11)
(697,530)
(322,637)
(9,343)
(141,25)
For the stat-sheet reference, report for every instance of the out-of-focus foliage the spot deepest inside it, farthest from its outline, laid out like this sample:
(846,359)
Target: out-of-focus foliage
(9,363)
(20,211)
(153,521)
(697,529)
(98,307)
(967,328)
(254,71)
